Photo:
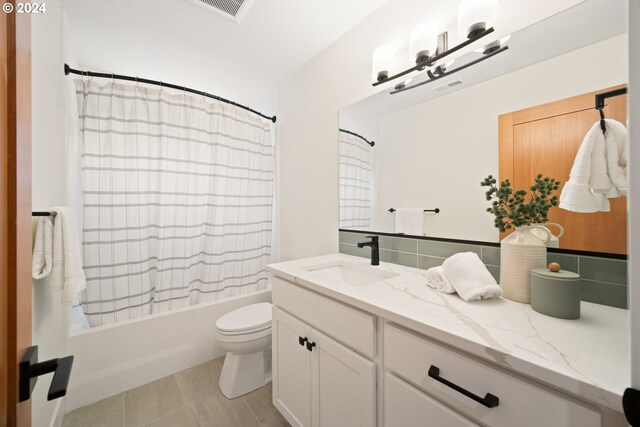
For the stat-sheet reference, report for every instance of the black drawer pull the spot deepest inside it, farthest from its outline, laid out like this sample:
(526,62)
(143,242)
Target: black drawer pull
(489,400)
(310,345)
(301,340)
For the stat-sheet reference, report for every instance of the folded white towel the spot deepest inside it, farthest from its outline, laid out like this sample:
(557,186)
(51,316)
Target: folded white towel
(42,257)
(589,171)
(617,146)
(437,279)
(470,277)
(67,274)
(410,221)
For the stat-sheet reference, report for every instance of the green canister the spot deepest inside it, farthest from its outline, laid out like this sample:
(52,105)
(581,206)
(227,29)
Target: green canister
(555,294)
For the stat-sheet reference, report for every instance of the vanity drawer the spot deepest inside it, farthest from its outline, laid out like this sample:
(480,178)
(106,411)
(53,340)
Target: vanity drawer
(521,403)
(352,327)
(406,406)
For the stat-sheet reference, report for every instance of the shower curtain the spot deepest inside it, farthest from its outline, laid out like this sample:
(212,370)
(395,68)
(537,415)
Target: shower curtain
(177,196)
(355,182)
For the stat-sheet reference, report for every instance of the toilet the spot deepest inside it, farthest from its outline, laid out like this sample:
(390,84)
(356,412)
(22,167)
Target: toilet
(245,334)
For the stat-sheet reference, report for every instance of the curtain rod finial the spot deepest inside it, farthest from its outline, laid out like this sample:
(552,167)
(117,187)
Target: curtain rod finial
(273,119)
(67,69)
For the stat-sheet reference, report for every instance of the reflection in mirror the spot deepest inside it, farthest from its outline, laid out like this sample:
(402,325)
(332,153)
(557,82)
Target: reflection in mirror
(434,144)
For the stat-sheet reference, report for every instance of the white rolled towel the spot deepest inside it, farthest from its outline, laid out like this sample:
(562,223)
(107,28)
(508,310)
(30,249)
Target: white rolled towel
(470,277)
(438,280)
(67,274)
(42,257)
(616,140)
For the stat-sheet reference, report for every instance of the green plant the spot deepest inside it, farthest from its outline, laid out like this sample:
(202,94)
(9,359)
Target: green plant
(510,206)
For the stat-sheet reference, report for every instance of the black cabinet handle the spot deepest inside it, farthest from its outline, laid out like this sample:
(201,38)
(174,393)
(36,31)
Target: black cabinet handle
(310,345)
(31,369)
(301,340)
(489,400)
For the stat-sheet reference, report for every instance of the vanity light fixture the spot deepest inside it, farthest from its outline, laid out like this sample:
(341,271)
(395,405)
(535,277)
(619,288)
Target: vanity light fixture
(475,18)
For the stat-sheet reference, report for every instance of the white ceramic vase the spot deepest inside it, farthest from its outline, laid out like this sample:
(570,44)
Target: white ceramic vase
(521,251)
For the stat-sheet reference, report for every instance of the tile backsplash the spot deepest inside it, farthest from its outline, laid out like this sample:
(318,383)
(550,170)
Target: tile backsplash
(604,280)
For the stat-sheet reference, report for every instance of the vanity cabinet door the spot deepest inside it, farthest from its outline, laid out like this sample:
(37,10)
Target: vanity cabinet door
(406,406)
(343,391)
(291,368)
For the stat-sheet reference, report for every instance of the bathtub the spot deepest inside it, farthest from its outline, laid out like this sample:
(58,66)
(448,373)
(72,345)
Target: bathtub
(117,357)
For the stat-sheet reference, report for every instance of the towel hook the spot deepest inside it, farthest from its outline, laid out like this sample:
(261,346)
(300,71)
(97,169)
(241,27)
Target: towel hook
(603,125)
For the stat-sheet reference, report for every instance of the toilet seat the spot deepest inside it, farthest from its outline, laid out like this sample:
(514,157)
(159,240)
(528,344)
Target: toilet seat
(249,319)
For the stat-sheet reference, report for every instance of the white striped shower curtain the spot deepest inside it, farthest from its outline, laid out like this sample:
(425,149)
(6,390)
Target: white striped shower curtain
(177,200)
(355,182)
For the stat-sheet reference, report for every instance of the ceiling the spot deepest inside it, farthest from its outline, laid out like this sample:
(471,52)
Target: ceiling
(182,43)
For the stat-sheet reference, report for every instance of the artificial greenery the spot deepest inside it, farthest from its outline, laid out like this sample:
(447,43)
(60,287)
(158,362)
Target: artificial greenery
(511,208)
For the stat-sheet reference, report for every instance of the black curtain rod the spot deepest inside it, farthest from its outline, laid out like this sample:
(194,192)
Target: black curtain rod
(43,213)
(371,143)
(68,70)
(436,210)
(600,97)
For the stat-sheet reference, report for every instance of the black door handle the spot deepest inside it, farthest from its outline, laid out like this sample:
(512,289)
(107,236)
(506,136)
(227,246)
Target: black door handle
(489,400)
(301,340)
(30,370)
(310,345)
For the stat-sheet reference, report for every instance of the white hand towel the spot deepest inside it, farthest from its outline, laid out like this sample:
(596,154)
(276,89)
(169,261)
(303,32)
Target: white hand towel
(576,195)
(616,143)
(437,279)
(42,257)
(599,181)
(470,277)
(67,274)
(410,221)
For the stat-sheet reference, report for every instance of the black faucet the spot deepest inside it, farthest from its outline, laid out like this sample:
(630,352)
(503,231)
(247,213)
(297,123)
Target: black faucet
(375,249)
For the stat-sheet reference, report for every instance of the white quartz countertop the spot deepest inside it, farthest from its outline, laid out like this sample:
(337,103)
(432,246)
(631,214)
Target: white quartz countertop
(588,357)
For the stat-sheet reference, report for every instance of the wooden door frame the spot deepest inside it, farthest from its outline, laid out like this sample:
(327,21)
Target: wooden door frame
(15,219)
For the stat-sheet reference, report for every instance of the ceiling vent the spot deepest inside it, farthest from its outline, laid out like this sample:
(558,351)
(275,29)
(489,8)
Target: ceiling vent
(447,86)
(233,10)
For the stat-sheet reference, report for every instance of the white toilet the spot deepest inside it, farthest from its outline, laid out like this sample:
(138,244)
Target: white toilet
(245,334)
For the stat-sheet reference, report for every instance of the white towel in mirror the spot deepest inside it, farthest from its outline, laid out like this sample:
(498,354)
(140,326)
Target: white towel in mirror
(410,221)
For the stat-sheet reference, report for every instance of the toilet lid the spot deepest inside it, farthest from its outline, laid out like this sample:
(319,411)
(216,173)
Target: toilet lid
(249,317)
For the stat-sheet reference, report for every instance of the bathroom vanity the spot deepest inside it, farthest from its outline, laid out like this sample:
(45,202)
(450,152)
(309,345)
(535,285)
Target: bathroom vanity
(357,345)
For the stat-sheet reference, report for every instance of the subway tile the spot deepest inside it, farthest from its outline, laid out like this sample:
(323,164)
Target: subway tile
(603,270)
(427,262)
(401,258)
(490,255)
(444,249)
(495,272)
(345,248)
(567,262)
(604,293)
(399,244)
(353,238)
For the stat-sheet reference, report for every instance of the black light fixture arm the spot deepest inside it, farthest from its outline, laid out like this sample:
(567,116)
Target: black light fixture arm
(68,70)
(438,56)
(371,143)
(438,76)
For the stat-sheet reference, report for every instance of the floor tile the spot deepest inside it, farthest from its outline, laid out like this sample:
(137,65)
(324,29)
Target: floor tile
(179,418)
(260,402)
(150,401)
(217,410)
(108,412)
(200,381)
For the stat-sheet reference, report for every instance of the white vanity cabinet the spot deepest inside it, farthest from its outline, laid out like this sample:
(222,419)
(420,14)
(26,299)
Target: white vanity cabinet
(318,381)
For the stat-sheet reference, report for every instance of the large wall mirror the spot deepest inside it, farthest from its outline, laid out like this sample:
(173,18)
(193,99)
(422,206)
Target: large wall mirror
(520,113)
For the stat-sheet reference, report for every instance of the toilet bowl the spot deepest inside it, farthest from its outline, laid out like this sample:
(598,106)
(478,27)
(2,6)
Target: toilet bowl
(245,334)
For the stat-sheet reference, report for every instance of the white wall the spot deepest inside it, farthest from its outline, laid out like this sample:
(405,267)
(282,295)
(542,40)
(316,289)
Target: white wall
(50,317)
(436,153)
(309,119)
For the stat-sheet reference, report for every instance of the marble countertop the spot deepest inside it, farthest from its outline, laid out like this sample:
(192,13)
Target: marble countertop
(588,357)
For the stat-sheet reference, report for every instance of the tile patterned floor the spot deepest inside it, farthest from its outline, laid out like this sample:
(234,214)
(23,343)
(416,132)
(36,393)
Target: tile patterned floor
(189,398)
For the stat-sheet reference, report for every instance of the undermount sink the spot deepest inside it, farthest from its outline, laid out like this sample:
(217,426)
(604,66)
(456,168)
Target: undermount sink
(350,274)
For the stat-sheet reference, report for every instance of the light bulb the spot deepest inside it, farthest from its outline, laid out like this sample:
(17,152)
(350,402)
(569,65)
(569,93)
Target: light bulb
(423,42)
(382,62)
(475,16)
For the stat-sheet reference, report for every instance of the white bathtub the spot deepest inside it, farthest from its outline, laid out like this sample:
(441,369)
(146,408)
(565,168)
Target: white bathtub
(113,358)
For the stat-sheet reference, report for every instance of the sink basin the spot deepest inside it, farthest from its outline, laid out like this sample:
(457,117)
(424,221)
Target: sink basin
(351,274)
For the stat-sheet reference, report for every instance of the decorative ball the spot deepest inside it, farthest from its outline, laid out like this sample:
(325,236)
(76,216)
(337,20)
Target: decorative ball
(554,266)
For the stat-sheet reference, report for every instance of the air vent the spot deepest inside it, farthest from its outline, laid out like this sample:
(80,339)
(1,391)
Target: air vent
(233,10)
(447,86)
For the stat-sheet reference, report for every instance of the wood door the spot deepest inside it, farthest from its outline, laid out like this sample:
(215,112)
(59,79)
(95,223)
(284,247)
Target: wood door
(545,139)
(15,212)
(343,390)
